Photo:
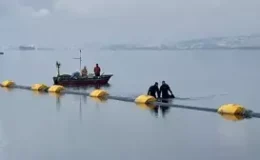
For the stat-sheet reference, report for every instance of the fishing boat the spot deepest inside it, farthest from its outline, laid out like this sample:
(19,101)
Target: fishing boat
(76,80)
(69,80)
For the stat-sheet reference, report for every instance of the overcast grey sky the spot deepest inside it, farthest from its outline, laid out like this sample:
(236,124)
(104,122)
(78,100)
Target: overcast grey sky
(114,21)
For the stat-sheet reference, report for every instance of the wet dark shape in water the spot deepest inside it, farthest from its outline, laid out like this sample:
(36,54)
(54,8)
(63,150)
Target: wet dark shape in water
(163,109)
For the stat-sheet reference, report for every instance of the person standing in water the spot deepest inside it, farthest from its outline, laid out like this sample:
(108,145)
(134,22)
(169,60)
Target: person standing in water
(164,91)
(153,90)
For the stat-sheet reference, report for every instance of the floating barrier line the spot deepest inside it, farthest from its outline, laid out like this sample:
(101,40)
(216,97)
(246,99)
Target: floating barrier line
(149,101)
(128,99)
(188,107)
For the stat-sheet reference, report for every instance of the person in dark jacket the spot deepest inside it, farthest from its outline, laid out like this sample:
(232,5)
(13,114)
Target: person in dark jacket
(97,70)
(164,91)
(153,90)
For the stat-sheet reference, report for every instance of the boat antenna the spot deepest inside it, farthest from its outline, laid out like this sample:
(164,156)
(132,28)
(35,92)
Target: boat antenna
(58,67)
(79,59)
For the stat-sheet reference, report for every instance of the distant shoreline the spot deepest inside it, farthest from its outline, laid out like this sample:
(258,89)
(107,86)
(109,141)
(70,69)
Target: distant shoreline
(176,49)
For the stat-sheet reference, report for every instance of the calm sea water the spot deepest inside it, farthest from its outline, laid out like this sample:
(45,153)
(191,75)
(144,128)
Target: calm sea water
(41,127)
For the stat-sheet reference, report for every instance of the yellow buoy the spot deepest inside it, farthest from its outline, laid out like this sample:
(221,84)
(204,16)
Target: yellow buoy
(39,87)
(98,93)
(145,99)
(7,83)
(234,109)
(56,89)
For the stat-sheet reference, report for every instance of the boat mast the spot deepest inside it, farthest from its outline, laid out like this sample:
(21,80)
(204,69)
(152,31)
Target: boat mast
(79,60)
(58,67)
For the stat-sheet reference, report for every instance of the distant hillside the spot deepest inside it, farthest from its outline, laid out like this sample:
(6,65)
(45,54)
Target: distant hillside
(237,42)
